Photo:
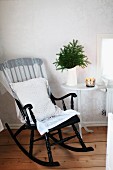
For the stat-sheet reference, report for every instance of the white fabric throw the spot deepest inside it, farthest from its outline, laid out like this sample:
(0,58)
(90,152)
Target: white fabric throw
(47,124)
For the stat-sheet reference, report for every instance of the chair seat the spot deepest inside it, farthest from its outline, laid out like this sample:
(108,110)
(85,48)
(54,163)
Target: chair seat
(56,121)
(74,119)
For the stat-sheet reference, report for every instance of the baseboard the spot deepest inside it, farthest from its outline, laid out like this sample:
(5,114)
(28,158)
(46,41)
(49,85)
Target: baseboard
(88,124)
(14,126)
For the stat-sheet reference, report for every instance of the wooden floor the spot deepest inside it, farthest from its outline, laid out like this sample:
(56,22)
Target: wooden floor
(11,158)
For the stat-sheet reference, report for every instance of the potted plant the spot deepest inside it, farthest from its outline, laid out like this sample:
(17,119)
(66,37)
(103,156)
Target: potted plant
(70,56)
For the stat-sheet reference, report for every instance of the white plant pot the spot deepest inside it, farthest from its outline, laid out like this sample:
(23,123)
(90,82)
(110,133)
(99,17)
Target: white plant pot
(72,77)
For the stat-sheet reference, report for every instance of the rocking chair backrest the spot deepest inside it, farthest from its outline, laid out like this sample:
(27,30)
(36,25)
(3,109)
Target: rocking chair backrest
(22,69)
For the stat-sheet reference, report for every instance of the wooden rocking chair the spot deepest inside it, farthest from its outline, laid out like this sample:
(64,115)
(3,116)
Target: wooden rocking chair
(26,78)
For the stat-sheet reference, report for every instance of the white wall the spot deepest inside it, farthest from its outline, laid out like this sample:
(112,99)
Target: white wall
(41,27)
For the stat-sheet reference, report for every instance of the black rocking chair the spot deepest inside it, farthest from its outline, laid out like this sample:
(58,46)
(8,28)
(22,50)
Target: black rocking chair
(23,70)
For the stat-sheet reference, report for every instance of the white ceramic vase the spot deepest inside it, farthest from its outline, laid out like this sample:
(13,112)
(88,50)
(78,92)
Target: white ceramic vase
(72,77)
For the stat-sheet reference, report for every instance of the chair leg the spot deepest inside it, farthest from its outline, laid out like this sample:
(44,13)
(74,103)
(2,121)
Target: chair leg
(60,134)
(31,142)
(48,148)
(79,137)
(80,129)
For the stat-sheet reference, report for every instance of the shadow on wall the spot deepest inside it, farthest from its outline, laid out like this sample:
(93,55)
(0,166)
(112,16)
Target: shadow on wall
(54,81)
(7,109)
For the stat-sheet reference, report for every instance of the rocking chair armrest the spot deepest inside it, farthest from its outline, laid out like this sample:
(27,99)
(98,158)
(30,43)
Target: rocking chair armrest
(53,99)
(63,97)
(23,110)
(29,106)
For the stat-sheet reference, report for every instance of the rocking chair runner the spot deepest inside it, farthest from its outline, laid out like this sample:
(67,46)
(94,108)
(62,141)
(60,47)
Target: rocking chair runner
(49,122)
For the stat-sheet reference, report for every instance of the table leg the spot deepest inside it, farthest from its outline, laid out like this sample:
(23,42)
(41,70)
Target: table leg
(79,110)
(88,130)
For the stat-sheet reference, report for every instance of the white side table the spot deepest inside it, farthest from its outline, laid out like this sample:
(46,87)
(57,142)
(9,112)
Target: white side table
(79,88)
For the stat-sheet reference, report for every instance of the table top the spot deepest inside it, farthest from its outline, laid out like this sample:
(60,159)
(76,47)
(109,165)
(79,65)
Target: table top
(80,86)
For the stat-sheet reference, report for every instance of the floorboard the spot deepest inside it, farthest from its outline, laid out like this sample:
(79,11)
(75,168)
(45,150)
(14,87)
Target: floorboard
(11,156)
